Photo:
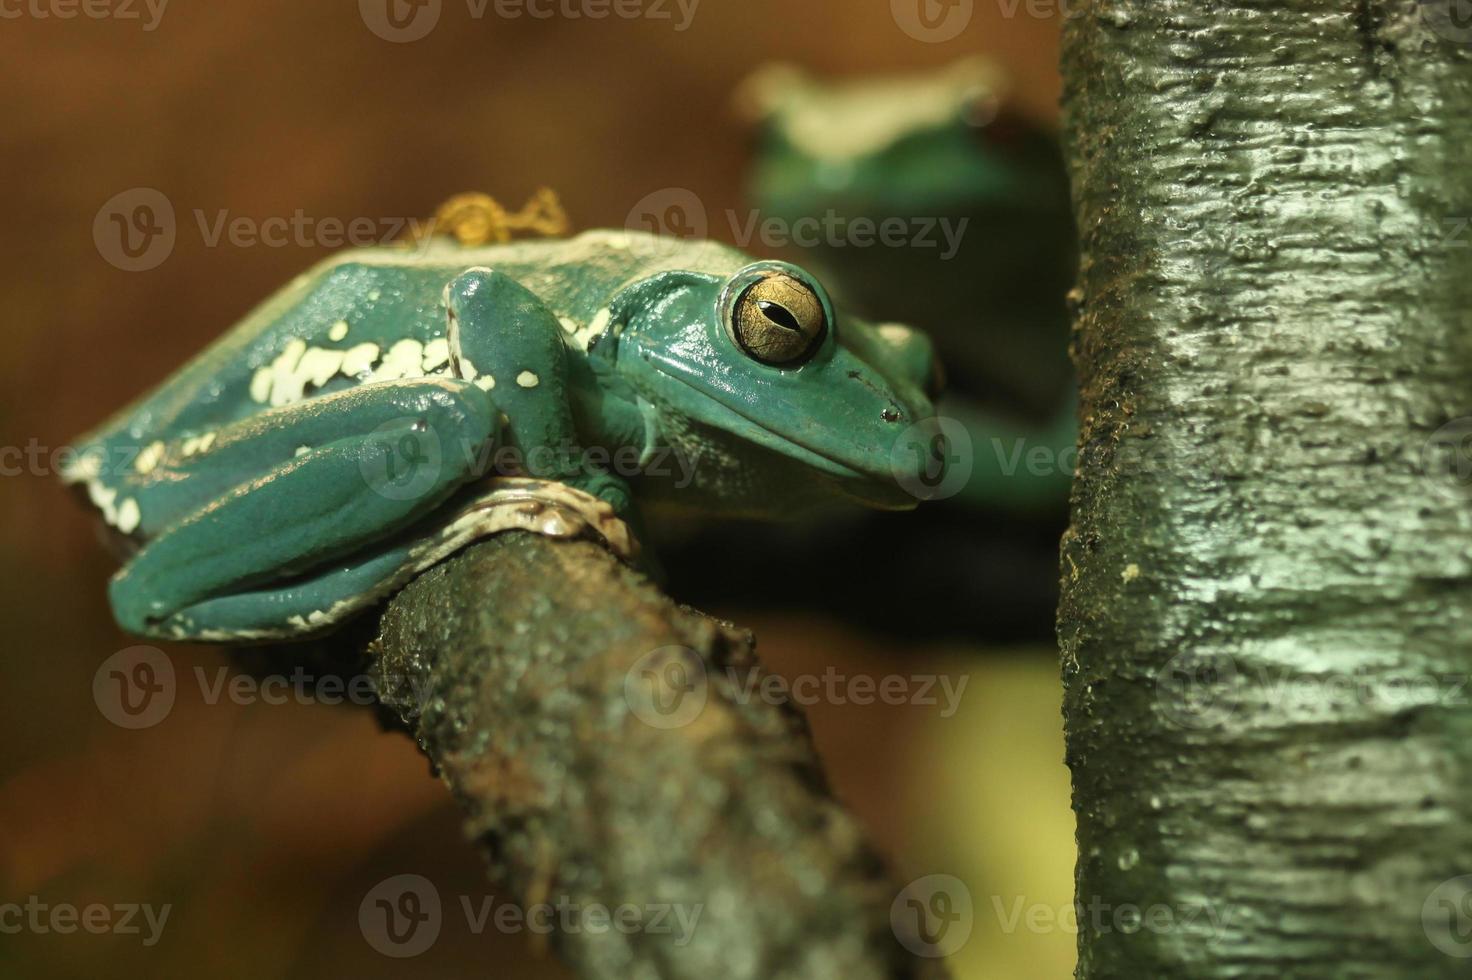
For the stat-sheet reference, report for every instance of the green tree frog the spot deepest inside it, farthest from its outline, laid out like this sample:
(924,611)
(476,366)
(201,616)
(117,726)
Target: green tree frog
(335,442)
(989,256)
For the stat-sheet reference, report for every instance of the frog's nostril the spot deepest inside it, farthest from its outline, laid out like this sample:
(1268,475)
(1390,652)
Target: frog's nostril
(891,415)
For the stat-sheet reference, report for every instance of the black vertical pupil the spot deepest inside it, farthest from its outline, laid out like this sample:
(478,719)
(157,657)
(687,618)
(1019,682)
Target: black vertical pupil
(779,315)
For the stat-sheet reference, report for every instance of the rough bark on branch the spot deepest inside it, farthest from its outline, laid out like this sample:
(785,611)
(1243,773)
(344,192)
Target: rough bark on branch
(523,667)
(1267,586)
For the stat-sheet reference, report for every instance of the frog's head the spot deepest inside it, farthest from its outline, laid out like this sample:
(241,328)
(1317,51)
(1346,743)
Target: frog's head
(776,401)
(926,143)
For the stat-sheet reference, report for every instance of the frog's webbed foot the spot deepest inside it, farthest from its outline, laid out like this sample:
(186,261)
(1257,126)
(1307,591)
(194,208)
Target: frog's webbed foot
(610,489)
(306,606)
(313,483)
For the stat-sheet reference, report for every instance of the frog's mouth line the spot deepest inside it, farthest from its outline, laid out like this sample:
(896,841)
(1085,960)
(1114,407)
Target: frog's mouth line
(849,480)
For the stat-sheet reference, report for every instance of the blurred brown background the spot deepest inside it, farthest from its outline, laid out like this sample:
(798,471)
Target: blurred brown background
(263,826)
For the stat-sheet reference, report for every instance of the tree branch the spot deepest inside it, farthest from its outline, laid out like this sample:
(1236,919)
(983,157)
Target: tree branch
(591,731)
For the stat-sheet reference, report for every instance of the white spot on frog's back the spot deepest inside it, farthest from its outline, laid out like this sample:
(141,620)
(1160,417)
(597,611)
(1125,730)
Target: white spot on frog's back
(84,467)
(358,361)
(849,121)
(129,516)
(895,333)
(148,459)
(124,515)
(405,359)
(287,384)
(436,354)
(285,380)
(485,382)
(195,445)
(338,331)
(465,368)
(320,365)
(104,498)
(313,620)
(527,379)
(260,385)
(582,337)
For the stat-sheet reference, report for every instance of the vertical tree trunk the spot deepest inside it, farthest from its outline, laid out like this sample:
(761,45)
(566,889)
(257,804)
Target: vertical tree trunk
(1266,619)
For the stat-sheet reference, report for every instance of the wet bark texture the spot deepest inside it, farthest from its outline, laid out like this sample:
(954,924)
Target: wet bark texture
(1267,612)
(590,729)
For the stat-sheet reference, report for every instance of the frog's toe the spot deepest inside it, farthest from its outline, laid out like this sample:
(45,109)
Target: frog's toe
(609,489)
(135,610)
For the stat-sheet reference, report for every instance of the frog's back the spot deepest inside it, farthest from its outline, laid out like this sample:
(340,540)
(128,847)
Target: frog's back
(375,314)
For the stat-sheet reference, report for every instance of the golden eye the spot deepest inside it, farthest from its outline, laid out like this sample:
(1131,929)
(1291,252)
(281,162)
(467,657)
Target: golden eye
(779,319)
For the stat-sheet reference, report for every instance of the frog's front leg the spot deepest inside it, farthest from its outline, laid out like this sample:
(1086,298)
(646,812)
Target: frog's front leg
(510,344)
(312,482)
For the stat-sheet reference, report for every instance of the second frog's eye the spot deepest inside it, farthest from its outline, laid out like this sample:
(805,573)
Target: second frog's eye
(779,319)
